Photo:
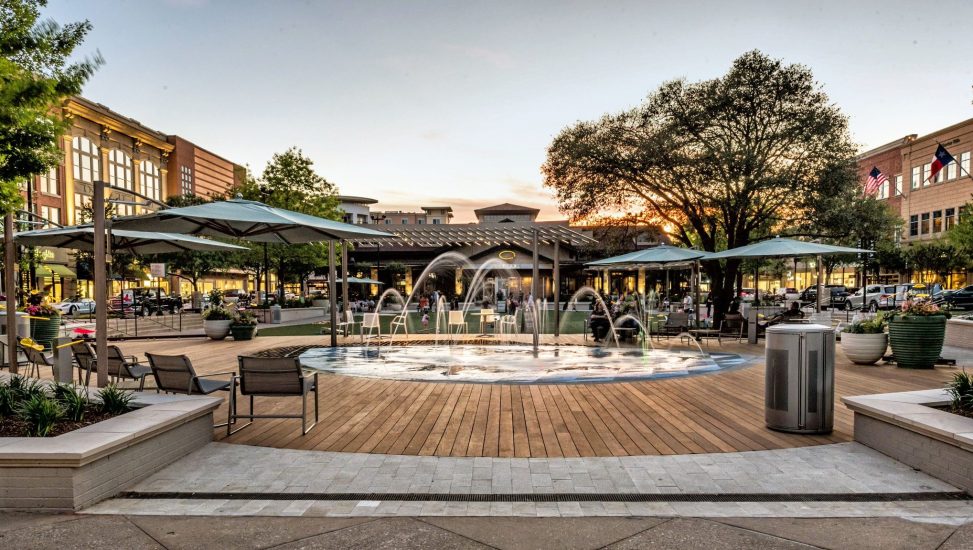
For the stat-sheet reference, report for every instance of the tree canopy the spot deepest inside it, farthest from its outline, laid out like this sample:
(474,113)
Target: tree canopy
(36,75)
(719,163)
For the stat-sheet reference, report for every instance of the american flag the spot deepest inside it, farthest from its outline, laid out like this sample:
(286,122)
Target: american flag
(875,179)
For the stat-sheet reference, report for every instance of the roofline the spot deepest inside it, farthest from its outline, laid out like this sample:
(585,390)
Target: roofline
(194,144)
(902,142)
(79,106)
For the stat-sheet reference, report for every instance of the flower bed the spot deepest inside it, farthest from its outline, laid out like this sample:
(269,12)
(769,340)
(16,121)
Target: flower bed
(94,462)
(29,408)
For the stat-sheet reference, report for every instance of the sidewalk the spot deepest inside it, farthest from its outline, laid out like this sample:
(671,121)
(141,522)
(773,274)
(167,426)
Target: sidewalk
(65,532)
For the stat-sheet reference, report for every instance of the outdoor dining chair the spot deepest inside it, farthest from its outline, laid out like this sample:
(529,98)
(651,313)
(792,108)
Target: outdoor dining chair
(370,322)
(399,322)
(84,357)
(272,377)
(175,374)
(347,326)
(125,367)
(507,325)
(35,359)
(456,319)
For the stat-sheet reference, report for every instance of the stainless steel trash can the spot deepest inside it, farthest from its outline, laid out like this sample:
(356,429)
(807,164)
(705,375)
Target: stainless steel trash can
(275,314)
(799,392)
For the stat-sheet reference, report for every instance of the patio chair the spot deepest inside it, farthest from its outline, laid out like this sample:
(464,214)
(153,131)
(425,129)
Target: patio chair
(272,377)
(125,367)
(36,358)
(84,358)
(732,326)
(372,323)
(399,322)
(175,374)
(676,323)
(456,319)
(347,326)
(508,325)
(487,317)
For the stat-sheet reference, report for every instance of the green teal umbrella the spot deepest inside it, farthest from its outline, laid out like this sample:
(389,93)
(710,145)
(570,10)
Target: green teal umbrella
(781,247)
(662,255)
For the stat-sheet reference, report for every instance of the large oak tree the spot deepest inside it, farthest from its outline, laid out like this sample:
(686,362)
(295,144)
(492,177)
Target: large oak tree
(720,163)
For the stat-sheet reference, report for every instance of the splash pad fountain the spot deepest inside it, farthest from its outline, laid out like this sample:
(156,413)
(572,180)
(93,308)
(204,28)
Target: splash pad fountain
(450,360)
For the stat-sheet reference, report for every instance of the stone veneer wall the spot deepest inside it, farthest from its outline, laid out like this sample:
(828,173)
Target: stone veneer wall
(959,333)
(947,462)
(66,488)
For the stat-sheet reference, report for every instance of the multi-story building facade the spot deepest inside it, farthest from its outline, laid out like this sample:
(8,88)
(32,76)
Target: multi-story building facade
(429,215)
(928,206)
(142,167)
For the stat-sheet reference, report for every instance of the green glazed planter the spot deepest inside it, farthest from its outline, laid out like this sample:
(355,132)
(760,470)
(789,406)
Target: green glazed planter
(917,341)
(242,332)
(45,331)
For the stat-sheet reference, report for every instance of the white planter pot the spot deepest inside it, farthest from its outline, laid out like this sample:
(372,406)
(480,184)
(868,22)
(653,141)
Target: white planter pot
(864,349)
(217,330)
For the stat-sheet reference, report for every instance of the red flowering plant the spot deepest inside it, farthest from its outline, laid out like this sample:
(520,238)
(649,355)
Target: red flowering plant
(920,308)
(41,310)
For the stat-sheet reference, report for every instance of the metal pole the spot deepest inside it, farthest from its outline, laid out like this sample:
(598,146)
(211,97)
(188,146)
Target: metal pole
(101,281)
(696,292)
(535,273)
(332,294)
(557,287)
(10,261)
(266,276)
(345,301)
(820,292)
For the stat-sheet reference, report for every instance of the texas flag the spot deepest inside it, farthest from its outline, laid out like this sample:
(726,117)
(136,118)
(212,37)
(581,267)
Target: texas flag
(939,161)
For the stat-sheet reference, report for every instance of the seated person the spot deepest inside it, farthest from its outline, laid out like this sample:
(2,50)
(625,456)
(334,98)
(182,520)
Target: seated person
(598,321)
(794,312)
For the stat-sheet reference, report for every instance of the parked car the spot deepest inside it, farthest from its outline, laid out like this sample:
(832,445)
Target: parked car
(746,294)
(787,294)
(923,291)
(960,299)
(236,296)
(145,301)
(878,296)
(75,305)
(835,299)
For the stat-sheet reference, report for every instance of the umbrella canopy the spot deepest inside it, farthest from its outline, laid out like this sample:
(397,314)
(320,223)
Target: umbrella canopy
(82,237)
(359,280)
(249,220)
(780,247)
(662,254)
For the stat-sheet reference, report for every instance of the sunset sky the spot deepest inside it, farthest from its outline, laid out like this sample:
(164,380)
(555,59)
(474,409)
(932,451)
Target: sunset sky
(417,103)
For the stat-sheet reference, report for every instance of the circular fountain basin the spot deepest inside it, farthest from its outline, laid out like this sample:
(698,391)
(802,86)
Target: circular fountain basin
(513,364)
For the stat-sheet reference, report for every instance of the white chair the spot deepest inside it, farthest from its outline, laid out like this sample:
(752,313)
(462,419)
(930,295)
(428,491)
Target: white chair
(347,326)
(507,325)
(457,320)
(487,316)
(370,322)
(399,322)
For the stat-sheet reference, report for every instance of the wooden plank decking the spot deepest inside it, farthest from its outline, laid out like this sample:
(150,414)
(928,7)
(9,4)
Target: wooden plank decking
(719,412)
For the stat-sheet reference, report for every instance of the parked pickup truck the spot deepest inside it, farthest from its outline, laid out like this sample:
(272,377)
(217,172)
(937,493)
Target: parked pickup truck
(145,301)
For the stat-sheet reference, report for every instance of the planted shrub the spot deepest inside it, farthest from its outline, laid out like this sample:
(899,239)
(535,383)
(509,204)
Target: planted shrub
(114,400)
(41,414)
(74,403)
(868,326)
(7,400)
(961,390)
(25,388)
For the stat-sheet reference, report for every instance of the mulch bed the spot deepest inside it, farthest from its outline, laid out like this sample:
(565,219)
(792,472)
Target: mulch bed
(14,427)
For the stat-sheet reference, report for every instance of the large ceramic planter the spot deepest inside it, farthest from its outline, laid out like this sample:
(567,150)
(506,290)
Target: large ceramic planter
(243,332)
(917,341)
(45,331)
(864,349)
(217,330)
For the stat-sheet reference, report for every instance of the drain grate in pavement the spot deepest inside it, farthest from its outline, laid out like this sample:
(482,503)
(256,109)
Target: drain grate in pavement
(562,497)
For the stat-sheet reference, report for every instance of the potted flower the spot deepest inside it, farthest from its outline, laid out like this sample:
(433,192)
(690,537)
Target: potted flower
(244,326)
(45,323)
(865,342)
(216,322)
(916,333)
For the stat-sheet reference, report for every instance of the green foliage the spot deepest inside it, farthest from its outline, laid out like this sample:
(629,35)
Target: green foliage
(759,150)
(961,234)
(7,400)
(868,326)
(245,319)
(36,76)
(215,297)
(25,388)
(74,402)
(114,400)
(939,256)
(960,388)
(41,414)
(217,313)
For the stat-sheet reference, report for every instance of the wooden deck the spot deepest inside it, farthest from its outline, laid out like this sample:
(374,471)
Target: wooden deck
(719,412)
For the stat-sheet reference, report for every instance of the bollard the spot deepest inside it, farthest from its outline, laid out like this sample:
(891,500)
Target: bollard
(63,369)
(752,325)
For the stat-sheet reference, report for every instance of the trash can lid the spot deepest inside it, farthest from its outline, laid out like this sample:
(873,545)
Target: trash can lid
(798,328)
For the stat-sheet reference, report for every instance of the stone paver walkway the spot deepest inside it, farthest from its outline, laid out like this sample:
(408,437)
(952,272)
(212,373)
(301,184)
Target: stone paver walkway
(272,475)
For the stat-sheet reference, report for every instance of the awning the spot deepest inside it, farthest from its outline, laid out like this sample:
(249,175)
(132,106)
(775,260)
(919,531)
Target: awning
(49,270)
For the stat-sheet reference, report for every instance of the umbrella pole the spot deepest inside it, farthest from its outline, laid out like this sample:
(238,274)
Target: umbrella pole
(696,292)
(820,291)
(333,295)
(10,249)
(557,287)
(345,301)
(101,282)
